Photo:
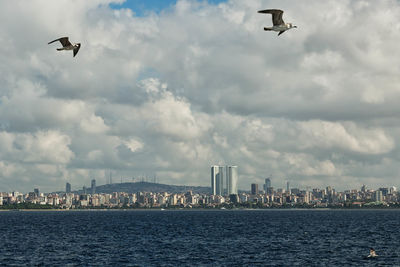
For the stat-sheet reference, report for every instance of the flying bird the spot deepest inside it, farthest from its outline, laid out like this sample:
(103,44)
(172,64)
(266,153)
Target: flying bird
(67,45)
(279,25)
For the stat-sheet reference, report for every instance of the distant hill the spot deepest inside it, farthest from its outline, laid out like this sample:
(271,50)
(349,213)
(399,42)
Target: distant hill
(147,187)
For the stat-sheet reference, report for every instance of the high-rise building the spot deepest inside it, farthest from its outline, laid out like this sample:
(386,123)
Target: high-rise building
(93,187)
(295,191)
(217,180)
(287,187)
(231,180)
(36,191)
(392,190)
(378,196)
(384,191)
(214,170)
(363,188)
(220,181)
(254,189)
(267,184)
(67,188)
(270,191)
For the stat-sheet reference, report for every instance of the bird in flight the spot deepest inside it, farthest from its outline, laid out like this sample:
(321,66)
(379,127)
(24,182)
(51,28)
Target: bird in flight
(278,24)
(67,45)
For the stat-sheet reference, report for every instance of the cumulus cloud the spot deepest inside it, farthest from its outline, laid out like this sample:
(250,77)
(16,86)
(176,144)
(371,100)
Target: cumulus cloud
(332,135)
(199,84)
(40,147)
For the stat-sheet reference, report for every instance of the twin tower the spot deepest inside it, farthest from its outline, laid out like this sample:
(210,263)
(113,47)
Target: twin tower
(221,173)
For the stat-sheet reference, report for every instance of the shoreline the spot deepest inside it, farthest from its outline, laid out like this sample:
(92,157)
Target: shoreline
(202,209)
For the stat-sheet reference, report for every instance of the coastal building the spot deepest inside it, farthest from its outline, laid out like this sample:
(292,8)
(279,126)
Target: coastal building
(270,190)
(363,188)
(68,200)
(254,189)
(295,191)
(67,188)
(267,184)
(93,187)
(213,180)
(231,180)
(384,191)
(234,199)
(173,200)
(220,181)
(217,180)
(214,173)
(378,196)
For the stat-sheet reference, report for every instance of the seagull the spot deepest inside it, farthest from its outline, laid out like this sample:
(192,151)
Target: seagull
(67,45)
(279,25)
(372,253)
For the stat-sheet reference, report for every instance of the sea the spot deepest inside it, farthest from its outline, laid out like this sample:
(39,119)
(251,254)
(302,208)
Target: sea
(200,238)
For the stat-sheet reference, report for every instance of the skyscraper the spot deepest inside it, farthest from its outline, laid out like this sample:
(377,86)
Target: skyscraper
(93,187)
(231,180)
(378,196)
(217,180)
(287,187)
(267,184)
(220,181)
(67,188)
(214,171)
(254,189)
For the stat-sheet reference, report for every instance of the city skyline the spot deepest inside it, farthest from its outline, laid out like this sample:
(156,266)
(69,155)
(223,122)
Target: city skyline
(222,178)
(267,187)
(327,197)
(170,88)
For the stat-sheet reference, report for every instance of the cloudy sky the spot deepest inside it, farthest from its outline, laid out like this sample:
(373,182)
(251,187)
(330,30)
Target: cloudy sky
(167,89)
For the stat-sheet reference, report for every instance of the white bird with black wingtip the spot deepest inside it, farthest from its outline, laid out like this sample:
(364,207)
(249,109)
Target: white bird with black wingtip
(67,45)
(278,24)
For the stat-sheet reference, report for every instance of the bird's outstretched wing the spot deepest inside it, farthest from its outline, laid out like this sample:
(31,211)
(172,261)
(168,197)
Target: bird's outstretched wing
(276,16)
(280,32)
(76,49)
(63,40)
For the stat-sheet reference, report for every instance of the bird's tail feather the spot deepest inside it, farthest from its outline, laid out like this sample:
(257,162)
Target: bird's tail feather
(267,29)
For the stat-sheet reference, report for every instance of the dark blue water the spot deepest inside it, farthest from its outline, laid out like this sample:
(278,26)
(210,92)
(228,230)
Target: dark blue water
(200,238)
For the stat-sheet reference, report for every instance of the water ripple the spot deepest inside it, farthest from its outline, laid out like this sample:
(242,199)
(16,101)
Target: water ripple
(200,238)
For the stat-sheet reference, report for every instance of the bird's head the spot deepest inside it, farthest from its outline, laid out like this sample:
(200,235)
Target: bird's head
(76,48)
(292,26)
